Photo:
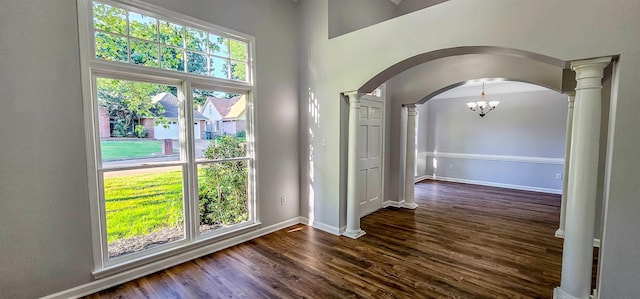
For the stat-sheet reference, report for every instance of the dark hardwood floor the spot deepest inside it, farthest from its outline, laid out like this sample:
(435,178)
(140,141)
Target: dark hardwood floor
(463,241)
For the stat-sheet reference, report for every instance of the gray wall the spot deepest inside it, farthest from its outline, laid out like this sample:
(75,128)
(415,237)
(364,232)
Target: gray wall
(528,124)
(408,6)
(350,15)
(45,230)
(44,205)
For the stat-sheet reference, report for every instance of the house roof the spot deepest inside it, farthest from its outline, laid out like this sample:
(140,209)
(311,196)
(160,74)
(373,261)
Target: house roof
(238,108)
(224,106)
(170,104)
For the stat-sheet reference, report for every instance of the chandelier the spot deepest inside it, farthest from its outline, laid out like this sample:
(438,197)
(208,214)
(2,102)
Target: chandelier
(482,107)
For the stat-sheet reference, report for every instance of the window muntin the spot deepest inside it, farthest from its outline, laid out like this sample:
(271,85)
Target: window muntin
(135,53)
(128,36)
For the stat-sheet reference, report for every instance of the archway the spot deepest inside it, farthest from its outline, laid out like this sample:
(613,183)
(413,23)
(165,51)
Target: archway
(448,67)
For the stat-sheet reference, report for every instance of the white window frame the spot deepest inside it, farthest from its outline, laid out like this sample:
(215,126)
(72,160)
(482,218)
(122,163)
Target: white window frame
(92,68)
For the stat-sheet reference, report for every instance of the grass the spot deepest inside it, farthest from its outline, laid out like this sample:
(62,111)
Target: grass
(115,149)
(142,203)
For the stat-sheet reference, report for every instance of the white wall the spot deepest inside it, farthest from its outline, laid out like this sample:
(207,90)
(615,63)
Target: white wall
(44,208)
(520,144)
(564,30)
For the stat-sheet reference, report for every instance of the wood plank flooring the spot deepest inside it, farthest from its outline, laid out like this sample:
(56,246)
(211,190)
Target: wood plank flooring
(463,241)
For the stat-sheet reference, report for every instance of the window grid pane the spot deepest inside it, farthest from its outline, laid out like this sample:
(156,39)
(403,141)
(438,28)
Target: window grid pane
(128,36)
(109,18)
(238,50)
(144,209)
(144,53)
(143,27)
(223,194)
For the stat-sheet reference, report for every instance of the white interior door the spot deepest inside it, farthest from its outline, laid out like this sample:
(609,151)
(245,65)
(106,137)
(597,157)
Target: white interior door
(370,180)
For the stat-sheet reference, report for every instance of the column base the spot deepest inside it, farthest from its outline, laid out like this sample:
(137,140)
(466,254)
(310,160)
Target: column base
(558,293)
(560,234)
(354,234)
(411,206)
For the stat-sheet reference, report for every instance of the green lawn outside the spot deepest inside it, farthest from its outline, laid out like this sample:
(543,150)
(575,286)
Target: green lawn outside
(116,149)
(138,204)
(142,203)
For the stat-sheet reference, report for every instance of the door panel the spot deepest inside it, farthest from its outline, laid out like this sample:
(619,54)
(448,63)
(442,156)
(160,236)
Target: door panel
(374,146)
(374,188)
(362,185)
(362,140)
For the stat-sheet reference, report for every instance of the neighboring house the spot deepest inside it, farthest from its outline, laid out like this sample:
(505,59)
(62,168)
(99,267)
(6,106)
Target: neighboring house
(169,129)
(165,130)
(225,116)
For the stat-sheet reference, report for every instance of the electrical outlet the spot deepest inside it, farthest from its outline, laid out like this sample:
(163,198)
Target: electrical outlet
(558,176)
(451,166)
(283,200)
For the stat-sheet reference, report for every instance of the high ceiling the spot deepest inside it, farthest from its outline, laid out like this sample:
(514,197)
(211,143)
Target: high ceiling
(492,87)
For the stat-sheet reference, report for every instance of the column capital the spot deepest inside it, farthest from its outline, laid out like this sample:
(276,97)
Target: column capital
(411,109)
(589,72)
(601,62)
(410,106)
(353,95)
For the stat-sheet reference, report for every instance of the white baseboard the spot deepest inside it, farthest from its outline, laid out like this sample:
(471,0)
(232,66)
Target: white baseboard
(499,185)
(323,226)
(395,204)
(558,293)
(116,279)
(560,234)
(422,178)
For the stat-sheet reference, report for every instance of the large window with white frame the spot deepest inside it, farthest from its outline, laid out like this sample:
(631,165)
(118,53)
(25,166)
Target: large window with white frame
(170,123)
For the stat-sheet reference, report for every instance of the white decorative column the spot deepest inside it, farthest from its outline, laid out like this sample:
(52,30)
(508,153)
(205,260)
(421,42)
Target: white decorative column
(577,253)
(409,181)
(353,205)
(567,154)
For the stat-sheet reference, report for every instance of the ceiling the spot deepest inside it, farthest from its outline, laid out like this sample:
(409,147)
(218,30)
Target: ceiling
(473,88)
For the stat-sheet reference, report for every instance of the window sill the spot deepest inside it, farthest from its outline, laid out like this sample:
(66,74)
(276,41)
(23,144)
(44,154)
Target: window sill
(176,255)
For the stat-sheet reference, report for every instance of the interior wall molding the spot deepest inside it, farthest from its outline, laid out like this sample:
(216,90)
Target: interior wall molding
(334,230)
(499,185)
(505,158)
(422,178)
(393,204)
